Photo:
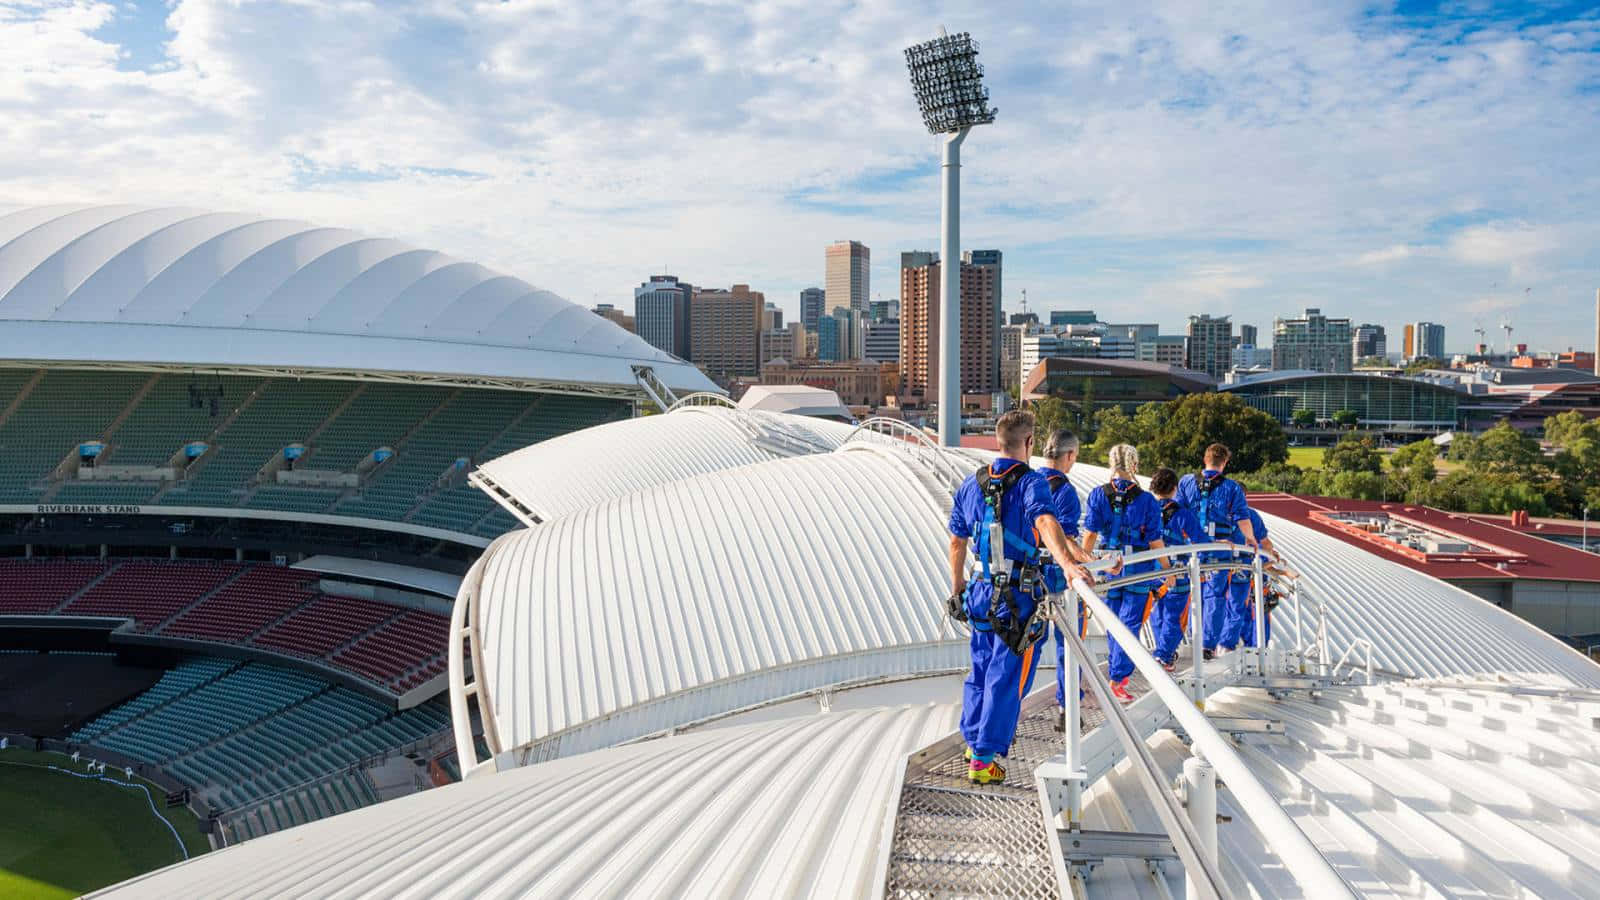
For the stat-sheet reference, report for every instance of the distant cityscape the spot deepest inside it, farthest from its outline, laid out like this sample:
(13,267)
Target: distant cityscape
(881,356)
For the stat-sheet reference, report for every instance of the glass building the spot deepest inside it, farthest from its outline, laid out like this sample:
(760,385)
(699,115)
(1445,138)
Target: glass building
(1379,401)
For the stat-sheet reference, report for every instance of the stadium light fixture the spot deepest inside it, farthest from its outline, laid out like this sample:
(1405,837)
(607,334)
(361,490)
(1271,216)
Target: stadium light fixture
(948,82)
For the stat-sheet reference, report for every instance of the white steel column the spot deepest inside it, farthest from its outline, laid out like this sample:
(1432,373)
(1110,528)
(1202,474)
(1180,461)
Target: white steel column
(1197,632)
(950,294)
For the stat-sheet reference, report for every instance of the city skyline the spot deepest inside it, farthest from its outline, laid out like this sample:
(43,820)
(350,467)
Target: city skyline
(1334,155)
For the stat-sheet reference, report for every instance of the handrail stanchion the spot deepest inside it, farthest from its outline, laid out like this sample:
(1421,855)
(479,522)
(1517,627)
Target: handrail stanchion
(1197,633)
(1322,636)
(1299,638)
(1200,792)
(1258,596)
(1073,725)
(1299,856)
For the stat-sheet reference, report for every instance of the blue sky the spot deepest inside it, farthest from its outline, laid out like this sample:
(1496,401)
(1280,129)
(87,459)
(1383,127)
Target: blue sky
(1151,159)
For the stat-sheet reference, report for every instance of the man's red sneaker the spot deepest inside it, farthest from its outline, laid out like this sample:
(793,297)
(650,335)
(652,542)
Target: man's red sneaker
(1119,690)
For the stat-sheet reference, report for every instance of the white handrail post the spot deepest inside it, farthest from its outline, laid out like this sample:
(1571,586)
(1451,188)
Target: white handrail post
(1197,634)
(1073,729)
(1258,595)
(1322,635)
(1200,790)
(1299,637)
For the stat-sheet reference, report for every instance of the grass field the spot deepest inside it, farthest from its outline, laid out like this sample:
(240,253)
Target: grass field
(61,836)
(1306,457)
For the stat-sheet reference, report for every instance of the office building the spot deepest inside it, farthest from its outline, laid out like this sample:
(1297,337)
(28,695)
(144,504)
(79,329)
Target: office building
(786,343)
(812,301)
(1210,345)
(919,326)
(1126,384)
(849,271)
(988,266)
(725,336)
(1368,340)
(1428,340)
(881,310)
(1011,355)
(856,383)
(1027,319)
(830,348)
(1312,342)
(1137,333)
(1167,349)
(771,317)
(1247,335)
(1247,356)
(662,310)
(1408,344)
(607,311)
(882,341)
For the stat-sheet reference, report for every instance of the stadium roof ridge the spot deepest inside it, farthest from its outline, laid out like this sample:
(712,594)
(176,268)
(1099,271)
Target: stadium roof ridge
(1526,557)
(130,286)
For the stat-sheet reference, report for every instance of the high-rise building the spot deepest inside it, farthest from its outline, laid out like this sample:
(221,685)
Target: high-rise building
(1210,345)
(988,266)
(851,329)
(1035,348)
(1249,356)
(771,317)
(662,312)
(1247,335)
(1368,340)
(725,338)
(1138,333)
(1167,349)
(811,302)
(1312,342)
(828,340)
(919,327)
(1024,318)
(849,274)
(1011,355)
(607,311)
(882,341)
(1429,338)
(879,310)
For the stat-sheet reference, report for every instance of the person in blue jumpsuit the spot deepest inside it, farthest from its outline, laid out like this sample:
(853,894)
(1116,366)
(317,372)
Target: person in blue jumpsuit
(1061,449)
(1125,518)
(1240,625)
(1218,503)
(1169,608)
(1001,676)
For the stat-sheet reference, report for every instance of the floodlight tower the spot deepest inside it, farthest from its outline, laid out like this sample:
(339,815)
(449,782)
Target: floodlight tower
(948,82)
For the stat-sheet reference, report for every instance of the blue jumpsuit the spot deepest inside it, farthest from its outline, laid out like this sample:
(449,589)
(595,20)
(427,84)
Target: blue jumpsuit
(1172,611)
(1240,625)
(1216,513)
(1068,512)
(1000,678)
(1131,531)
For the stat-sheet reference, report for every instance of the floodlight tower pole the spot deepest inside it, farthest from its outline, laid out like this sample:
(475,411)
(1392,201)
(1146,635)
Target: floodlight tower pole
(950,293)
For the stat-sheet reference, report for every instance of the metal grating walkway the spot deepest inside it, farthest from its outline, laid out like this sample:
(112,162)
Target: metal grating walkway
(956,839)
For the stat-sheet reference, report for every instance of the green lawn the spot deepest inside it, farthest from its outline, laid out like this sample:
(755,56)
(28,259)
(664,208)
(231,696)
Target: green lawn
(1306,457)
(61,836)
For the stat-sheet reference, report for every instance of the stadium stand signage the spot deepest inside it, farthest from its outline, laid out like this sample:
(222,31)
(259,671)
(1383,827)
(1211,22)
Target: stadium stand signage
(90,509)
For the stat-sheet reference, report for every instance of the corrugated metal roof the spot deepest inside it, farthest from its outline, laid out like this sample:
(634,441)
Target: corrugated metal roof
(798,807)
(696,597)
(140,285)
(1414,789)
(577,470)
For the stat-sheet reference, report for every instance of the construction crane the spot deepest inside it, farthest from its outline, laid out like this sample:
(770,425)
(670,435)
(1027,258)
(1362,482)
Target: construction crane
(1481,334)
(1506,325)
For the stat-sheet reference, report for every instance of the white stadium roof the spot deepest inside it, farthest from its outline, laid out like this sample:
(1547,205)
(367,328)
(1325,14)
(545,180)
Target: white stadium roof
(738,586)
(797,807)
(185,287)
(577,470)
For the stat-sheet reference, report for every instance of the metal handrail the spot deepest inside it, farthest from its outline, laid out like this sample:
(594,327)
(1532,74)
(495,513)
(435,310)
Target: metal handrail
(702,398)
(1310,868)
(1356,644)
(911,439)
(1205,878)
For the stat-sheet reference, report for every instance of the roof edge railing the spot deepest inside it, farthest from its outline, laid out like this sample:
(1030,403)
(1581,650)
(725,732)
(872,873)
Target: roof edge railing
(882,431)
(1299,855)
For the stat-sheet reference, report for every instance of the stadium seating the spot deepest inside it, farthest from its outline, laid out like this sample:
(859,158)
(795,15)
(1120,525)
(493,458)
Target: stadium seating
(340,423)
(245,733)
(151,591)
(404,653)
(324,625)
(260,596)
(42,585)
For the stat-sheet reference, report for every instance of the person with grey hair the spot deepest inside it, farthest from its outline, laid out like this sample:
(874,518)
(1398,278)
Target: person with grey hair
(1124,518)
(1061,451)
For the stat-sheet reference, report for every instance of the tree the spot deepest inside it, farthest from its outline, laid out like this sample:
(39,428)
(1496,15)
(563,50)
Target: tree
(1086,404)
(1346,418)
(1353,454)
(1304,418)
(1112,426)
(1372,362)
(1281,477)
(1505,450)
(1187,425)
(1423,363)
(1570,426)
(1051,413)
(1357,485)
(1411,469)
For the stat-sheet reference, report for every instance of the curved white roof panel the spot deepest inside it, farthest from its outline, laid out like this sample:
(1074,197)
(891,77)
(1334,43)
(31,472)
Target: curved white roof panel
(798,807)
(126,284)
(694,598)
(574,471)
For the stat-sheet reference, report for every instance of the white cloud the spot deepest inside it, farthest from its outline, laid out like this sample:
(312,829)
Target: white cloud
(1262,157)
